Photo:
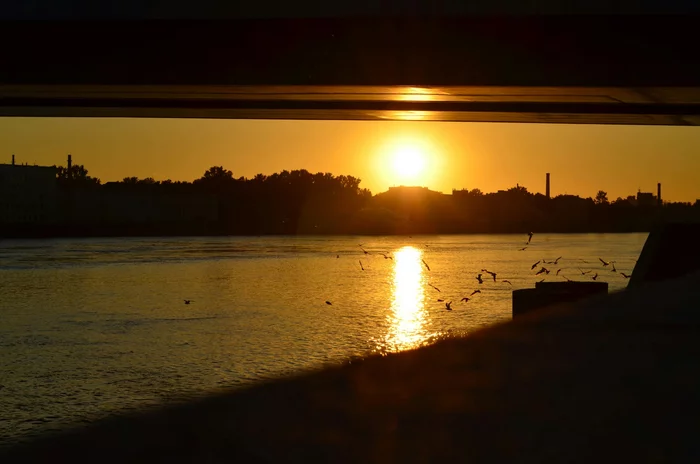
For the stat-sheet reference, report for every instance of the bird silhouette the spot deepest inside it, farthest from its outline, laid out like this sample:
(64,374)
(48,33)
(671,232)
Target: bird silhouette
(507,282)
(386,256)
(541,271)
(434,287)
(567,279)
(481,281)
(582,272)
(475,292)
(558,271)
(535,265)
(613,267)
(361,266)
(465,299)
(595,276)
(440,300)
(605,263)
(426,264)
(188,301)
(492,274)
(448,305)
(556,261)
(329,303)
(365,251)
(541,280)
(529,237)
(625,275)
(523,248)
(337,256)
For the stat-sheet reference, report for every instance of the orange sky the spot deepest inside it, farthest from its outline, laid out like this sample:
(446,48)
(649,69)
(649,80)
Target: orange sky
(581,158)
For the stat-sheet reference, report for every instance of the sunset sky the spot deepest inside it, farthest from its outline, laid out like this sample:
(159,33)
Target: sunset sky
(581,158)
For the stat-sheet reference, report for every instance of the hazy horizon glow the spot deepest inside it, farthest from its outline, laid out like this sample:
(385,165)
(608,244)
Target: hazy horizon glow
(582,159)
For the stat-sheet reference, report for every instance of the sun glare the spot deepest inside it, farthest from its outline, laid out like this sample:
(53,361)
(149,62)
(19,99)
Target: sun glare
(408,162)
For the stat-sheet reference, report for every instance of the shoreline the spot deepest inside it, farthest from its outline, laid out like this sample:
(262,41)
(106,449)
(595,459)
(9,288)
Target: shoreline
(349,234)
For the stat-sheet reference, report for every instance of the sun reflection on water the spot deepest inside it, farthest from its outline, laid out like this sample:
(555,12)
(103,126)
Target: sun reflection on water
(408,315)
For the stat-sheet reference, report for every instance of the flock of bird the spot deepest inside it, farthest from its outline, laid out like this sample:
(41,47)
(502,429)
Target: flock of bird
(542,271)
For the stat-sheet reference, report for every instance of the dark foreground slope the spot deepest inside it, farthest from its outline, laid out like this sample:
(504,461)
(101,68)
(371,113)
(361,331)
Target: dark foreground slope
(610,380)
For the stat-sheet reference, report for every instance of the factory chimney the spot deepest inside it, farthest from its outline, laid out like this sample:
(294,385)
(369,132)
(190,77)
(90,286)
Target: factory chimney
(13,159)
(658,194)
(547,188)
(70,162)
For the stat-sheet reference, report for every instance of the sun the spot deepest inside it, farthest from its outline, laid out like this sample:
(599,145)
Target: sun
(408,162)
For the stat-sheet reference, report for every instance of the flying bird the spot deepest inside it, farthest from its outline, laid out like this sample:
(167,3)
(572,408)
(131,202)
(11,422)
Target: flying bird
(541,271)
(337,256)
(595,277)
(542,280)
(507,282)
(448,305)
(386,256)
(329,303)
(529,237)
(426,264)
(440,300)
(556,261)
(492,274)
(434,287)
(188,301)
(567,279)
(523,248)
(475,292)
(558,271)
(481,281)
(582,272)
(625,275)
(605,263)
(465,299)
(535,265)
(361,266)
(613,267)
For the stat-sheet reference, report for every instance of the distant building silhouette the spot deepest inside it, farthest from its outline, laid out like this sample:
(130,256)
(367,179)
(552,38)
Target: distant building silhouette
(27,194)
(547,187)
(658,194)
(122,204)
(645,199)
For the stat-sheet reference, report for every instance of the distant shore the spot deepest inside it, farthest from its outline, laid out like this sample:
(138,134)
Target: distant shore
(39,233)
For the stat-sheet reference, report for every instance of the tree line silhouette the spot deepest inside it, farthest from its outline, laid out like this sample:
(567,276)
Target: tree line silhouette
(300,202)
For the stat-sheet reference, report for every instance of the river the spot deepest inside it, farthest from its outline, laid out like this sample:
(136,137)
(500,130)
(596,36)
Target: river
(90,327)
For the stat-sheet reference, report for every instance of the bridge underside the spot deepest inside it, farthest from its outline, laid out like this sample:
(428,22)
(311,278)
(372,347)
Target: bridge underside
(551,69)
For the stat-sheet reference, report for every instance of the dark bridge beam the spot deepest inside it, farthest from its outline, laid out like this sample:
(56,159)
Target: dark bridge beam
(579,69)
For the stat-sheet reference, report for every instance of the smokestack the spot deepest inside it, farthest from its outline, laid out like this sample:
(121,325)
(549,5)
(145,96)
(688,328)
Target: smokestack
(547,190)
(70,162)
(658,194)
(13,159)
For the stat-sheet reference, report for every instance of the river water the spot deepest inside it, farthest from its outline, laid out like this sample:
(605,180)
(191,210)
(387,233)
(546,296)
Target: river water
(93,326)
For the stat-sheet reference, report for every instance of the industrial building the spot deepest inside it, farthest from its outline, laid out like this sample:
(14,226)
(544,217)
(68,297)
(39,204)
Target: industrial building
(648,198)
(27,194)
